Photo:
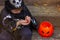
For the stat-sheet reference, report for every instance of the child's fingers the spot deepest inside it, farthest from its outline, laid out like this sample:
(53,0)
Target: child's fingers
(25,23)
(22,21)
(28,19)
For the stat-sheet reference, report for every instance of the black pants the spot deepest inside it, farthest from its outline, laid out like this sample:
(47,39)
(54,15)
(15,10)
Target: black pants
(24,34)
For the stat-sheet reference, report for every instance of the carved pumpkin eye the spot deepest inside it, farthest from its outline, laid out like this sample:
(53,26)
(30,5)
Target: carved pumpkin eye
(48,32)
(42,32)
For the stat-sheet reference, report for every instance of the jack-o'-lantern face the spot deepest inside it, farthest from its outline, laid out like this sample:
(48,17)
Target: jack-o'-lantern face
(45,29)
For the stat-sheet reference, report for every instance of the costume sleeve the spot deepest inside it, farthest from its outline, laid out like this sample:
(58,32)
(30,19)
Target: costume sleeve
(33,20)
(7,22)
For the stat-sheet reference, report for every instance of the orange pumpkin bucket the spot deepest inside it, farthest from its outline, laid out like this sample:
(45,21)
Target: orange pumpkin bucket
(46,29)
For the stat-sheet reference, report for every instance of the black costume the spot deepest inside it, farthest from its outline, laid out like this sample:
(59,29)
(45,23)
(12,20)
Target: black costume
(8,21)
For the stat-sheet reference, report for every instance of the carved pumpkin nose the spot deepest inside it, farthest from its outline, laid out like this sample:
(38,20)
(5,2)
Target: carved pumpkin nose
(46,29)
(46,33)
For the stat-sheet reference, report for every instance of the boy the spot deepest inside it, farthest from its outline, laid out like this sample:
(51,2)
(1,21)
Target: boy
(15,17)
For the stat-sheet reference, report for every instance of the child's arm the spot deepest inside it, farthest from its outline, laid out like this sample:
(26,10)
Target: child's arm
(7,22)
(33,20)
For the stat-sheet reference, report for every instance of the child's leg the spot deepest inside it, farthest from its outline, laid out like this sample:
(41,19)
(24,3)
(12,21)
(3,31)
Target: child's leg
(5,35)
(26,34)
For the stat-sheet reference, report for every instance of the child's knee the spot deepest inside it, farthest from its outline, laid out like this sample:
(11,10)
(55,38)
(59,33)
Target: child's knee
(26,32)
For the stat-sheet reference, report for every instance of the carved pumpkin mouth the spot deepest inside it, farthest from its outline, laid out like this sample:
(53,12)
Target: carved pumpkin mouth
(46,32)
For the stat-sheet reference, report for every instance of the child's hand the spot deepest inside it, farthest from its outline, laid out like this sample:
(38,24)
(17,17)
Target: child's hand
(24,22)
(28,19)
(20,22)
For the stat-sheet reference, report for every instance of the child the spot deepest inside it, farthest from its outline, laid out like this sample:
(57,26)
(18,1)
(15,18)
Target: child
(16,17)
